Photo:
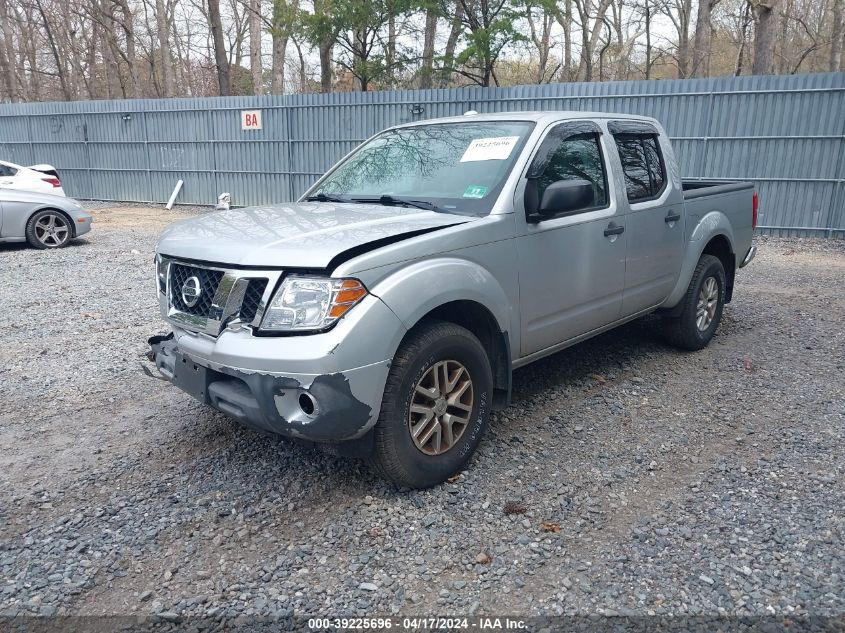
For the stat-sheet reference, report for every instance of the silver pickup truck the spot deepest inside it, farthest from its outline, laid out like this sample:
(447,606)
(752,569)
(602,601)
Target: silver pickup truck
(382,314)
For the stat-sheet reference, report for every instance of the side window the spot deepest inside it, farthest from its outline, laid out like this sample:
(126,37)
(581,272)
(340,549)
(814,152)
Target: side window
(577,157)
(656,168)
(642,164)
(6,171)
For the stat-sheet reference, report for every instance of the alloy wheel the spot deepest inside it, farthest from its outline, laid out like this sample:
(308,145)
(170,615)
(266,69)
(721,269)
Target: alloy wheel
(708,301)
(52,230)
(441,407)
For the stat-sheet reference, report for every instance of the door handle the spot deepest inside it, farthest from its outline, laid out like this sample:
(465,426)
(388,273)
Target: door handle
(672,217)
(613,229)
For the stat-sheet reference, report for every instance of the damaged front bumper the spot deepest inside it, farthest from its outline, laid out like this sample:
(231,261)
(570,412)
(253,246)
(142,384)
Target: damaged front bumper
(292,386)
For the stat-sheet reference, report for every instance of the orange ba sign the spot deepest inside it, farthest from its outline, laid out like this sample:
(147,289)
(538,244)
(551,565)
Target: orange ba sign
(250,119)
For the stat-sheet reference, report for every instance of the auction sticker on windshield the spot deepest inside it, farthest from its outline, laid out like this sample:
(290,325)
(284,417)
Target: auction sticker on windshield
(475,191)
(494,148)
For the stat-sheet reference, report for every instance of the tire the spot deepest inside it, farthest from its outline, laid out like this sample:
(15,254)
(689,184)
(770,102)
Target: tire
(443,352)
(48,229)
(693,328)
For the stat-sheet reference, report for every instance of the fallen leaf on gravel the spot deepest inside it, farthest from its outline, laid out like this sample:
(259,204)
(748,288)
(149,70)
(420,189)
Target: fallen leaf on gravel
(749,364)
(791,251)
(598,378)
(483,559)
(548,526)
(453,478)
(514,507)
(90,315)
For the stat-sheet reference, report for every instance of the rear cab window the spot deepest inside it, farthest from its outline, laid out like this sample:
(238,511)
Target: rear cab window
(642,161)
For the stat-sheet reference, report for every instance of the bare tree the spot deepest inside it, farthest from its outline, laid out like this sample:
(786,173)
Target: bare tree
(220,59)
(765,17)
(166,63)
(7,60)
(255,46)
(427,67)
(837,36)
(702,46)
(679,13)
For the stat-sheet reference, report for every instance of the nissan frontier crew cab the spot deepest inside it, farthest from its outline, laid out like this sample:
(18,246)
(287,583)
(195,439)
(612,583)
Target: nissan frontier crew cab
(382,314)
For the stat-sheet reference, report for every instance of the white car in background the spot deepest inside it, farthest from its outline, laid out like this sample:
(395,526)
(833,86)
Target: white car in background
(38,178)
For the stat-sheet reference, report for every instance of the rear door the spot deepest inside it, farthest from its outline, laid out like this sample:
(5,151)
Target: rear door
(655,220)
(572,267)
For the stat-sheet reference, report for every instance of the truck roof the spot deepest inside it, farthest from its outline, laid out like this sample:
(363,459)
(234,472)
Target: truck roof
(548,116)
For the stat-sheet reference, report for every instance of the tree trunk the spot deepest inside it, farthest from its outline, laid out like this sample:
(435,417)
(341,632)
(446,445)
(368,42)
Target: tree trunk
(281,35)
(220,58)
(451,44)
(255,46)
(7,58)
(743,43)
(567,38)
(163,26)
(427,68)
(128,25)
(703,40)
(764,37)
(684,13)
(390,53)
(57,57)
(325,50)
(303,76)
(280,47)
(837,36)
(647,40)
(114,88)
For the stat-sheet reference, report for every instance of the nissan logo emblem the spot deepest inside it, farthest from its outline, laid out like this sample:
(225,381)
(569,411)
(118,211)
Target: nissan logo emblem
(191,291)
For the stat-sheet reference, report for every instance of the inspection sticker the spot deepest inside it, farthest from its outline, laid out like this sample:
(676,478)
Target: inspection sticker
(494,148)
(475,191)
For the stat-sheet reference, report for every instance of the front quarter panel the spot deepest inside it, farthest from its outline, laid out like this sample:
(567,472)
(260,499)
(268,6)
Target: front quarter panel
(415,290)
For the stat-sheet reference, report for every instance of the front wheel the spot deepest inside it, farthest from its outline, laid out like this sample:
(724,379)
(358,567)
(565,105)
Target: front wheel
(702,307)
(435,408)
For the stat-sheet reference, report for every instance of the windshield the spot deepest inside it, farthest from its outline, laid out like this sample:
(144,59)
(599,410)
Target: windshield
(457,167)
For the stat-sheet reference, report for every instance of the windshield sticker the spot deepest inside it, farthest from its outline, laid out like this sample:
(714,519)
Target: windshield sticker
(494,148)
(475,191)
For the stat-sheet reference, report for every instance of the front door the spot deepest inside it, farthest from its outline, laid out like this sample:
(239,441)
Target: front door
(572,267)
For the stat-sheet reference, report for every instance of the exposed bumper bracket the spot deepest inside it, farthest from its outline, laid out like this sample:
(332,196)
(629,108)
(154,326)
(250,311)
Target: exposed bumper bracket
(748,257)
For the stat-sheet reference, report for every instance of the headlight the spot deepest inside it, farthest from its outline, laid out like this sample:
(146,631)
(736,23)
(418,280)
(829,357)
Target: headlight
(311,303)
(161,274)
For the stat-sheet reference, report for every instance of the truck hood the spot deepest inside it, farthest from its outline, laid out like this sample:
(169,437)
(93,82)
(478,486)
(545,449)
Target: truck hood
(300,235)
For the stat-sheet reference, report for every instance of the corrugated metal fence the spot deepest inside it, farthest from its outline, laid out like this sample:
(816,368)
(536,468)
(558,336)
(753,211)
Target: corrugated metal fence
(786,133)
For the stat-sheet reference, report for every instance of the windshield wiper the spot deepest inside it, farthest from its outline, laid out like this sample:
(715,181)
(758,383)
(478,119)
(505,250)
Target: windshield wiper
(402,202)
(326,197)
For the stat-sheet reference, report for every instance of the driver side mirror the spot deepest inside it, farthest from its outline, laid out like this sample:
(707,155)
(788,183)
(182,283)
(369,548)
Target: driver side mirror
(560,198)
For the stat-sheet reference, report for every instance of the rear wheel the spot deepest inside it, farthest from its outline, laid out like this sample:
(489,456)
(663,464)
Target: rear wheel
(48,229)
(435,408)
(702,307)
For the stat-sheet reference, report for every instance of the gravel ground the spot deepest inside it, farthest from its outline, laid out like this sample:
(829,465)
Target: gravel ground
(626,478)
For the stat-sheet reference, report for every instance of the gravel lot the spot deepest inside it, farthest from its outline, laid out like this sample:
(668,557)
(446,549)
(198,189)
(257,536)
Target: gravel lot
(626,477)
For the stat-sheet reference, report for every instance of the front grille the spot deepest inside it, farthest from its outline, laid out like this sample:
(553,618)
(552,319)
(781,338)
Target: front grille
(209,280)
(252,299)
(225,295)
